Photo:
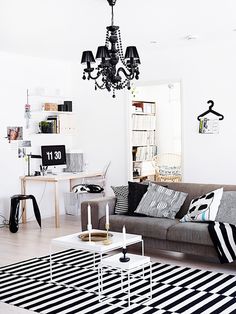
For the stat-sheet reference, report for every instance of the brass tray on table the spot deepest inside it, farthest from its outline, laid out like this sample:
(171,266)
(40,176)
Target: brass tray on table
(95,236)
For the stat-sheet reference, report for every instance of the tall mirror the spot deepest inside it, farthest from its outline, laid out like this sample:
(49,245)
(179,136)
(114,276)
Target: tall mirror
(155,132)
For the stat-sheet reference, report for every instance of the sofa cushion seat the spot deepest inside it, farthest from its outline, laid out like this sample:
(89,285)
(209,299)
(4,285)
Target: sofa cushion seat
(146,226)
(190,232)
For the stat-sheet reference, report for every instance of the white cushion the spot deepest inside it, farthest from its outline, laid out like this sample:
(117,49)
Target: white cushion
(205,207)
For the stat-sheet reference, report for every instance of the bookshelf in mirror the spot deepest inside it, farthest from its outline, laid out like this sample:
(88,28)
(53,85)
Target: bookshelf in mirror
(144,142)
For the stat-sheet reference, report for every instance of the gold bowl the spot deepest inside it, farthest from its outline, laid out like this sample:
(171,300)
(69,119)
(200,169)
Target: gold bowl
(95,236)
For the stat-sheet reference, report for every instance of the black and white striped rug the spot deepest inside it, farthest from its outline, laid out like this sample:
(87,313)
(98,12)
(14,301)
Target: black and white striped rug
(175,289)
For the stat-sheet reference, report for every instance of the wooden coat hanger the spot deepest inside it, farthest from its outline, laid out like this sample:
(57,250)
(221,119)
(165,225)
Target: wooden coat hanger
(210,110)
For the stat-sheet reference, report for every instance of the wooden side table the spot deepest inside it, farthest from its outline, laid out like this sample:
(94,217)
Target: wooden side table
(113,265)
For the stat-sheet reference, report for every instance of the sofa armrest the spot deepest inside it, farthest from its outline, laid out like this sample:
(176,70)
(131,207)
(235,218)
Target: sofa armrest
(98,210)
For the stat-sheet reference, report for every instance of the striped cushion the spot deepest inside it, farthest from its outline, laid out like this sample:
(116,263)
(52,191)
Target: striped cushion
(121,194)
(161,202)
(223,236)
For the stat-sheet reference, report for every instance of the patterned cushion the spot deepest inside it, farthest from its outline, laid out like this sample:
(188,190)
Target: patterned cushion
(205,207)
(121,194)
(161,202)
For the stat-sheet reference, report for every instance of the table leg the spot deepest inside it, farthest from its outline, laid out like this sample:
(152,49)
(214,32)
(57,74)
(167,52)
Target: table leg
(57,213)
(71,185)
(121,279)
(101,280)
(23,191)
(142,247)
(150,280)
(94,260)
(128,289)
(99,284)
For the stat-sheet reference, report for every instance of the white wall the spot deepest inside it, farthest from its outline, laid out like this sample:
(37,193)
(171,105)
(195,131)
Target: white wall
(17,74)
(102,128)
(207,72)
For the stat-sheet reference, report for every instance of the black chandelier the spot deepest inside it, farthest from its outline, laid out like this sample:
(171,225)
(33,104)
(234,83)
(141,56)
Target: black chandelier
(109,76)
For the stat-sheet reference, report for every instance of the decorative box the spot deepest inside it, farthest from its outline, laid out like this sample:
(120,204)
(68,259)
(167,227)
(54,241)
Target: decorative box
(50,107)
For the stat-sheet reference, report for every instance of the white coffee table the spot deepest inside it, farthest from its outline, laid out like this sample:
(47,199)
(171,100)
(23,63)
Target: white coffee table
(72,241)
(114,265)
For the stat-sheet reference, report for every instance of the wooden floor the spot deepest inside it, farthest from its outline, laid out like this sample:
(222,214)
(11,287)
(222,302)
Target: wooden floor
(31,241)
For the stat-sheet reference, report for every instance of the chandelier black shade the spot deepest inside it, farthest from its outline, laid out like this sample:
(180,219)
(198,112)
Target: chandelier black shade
(115,70)
(87,57)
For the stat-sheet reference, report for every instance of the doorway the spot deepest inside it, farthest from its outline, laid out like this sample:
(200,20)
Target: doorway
(155,127)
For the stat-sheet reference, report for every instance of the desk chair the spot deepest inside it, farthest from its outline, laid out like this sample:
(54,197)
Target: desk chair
(99,180)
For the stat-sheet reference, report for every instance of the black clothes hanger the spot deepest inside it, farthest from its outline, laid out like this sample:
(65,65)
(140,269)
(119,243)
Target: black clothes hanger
(210,110)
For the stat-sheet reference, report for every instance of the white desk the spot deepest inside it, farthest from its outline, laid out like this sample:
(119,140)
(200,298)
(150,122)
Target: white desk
(55,179)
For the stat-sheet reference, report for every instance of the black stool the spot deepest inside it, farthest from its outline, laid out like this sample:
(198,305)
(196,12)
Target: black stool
(14,212)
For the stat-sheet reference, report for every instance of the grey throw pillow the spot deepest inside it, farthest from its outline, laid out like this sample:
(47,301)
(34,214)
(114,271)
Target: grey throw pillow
(227,209)
(121,194)
(161,202)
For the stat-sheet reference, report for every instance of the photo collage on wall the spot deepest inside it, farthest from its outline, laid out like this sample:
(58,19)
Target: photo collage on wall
(15,138)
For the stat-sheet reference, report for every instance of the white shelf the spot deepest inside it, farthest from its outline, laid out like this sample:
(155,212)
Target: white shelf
(144,129)
(144,113)
(51,96)
(51,112)
(61,134)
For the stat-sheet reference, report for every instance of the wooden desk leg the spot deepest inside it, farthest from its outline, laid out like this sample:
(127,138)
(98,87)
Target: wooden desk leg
(23,191)
(57,209)
(71,185)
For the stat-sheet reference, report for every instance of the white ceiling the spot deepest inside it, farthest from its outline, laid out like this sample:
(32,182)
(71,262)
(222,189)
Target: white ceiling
(64,28)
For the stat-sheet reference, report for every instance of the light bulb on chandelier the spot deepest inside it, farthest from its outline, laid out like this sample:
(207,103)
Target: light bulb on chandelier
(109,76)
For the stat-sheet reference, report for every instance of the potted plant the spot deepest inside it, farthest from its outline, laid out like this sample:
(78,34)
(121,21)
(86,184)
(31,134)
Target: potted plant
(45,127)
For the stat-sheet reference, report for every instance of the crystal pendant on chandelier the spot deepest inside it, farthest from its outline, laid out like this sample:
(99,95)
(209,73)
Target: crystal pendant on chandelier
(109,75)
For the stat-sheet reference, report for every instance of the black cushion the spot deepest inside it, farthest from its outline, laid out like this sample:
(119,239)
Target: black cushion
(136,192)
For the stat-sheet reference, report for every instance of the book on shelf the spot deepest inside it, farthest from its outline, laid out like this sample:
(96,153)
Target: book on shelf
(141,122)
(145,153)
(144,107)
(55,123)
(143,138)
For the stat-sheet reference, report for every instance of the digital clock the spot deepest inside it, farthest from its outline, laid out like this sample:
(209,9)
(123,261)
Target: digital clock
(53,155)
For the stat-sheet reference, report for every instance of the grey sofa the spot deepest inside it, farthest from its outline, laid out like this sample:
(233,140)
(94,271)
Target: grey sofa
(162,233)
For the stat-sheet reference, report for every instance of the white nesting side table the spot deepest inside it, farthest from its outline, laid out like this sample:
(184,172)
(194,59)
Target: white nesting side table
(113,265)
(72,241)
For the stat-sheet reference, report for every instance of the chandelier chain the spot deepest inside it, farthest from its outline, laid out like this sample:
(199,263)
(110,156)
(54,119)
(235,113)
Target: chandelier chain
(107,39)
(112,16)
(120,50)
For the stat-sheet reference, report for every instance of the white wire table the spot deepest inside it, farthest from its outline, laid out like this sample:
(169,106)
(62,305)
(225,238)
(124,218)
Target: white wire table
(73,241)
(113,264)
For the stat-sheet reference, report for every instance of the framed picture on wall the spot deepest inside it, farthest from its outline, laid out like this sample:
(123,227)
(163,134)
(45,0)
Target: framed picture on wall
(14,133)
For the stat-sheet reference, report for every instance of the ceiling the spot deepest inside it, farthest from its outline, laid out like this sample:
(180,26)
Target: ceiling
(64,28)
